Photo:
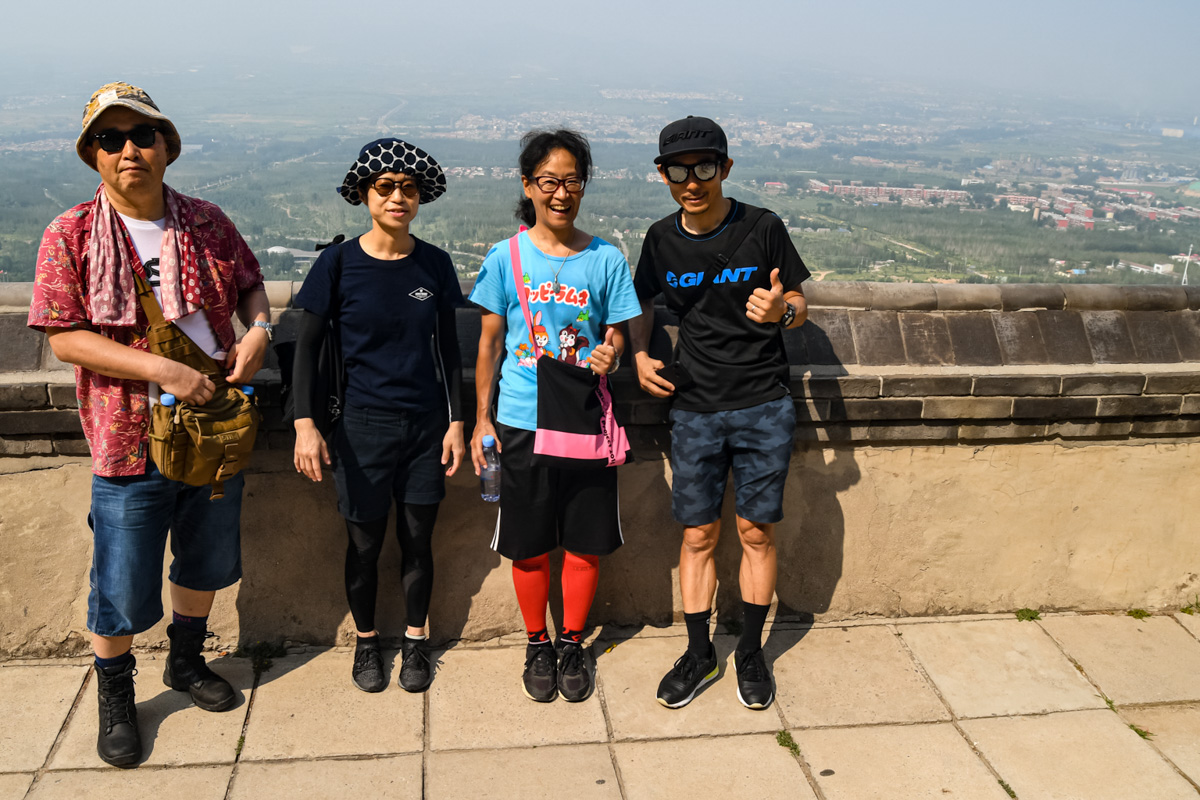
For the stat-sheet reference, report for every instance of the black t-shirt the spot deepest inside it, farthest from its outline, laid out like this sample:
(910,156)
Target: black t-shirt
(735,361)
(387,314)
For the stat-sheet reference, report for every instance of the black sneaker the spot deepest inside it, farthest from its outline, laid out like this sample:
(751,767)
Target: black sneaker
(416,670)
(689,674)
(367,672)
(118,742)
(755,688)
(575,681)
(540,679)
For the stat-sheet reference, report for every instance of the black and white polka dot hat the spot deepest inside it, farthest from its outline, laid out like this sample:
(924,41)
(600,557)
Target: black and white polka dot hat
(394,155)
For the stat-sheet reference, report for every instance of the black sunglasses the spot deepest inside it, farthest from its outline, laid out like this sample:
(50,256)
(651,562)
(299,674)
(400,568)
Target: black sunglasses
(704,171)
(112,140)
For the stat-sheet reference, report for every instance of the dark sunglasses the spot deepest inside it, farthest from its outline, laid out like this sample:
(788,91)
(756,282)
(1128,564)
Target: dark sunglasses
(704,171)
(385,186)
(112,140)
(550,185)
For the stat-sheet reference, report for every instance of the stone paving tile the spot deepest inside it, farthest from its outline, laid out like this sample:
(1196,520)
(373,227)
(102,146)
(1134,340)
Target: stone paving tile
(986,669)
(578,771)
(13,787)
(476,701)
(30,727)
(851,676)
(193,783)
(896,761)
(732,766)
(174,731)
(629,677)
(1191,622)
(1132,660)
(1176,732)
(385,778)
(1075,754)
(307,707)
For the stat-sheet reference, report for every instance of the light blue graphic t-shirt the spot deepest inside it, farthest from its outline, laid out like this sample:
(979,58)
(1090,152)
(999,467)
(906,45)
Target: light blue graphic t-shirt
(594,289)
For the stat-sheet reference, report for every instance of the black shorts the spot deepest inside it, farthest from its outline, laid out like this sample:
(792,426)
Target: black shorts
(542,508)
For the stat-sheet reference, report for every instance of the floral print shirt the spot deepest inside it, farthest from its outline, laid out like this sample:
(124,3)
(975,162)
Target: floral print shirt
(115,411)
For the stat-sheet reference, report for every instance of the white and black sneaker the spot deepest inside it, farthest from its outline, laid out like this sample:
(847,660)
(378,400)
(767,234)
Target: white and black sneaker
(575,678)
(755,687)
(688,676)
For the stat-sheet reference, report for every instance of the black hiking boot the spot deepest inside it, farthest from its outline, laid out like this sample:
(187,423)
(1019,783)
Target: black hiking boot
(187,672)
(119,742)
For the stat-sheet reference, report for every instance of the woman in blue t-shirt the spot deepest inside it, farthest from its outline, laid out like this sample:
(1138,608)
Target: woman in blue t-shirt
(388,295)
(579,292)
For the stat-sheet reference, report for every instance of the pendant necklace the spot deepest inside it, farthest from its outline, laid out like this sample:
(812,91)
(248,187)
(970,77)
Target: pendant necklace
(556,285)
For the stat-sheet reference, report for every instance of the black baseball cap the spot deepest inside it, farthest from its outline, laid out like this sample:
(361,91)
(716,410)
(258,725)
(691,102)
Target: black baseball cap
(692,135)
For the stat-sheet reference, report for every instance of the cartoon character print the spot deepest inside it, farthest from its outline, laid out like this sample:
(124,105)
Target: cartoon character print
(541,338)
(570,343)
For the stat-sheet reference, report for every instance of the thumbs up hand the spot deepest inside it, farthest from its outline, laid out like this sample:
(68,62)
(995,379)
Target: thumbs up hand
(604,358)
(766,306)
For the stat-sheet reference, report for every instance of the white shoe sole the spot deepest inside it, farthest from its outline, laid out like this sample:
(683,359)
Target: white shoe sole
(707,679)
(755,706)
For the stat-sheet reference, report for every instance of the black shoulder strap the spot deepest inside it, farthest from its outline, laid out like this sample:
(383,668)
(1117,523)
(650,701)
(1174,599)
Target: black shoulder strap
(750,222)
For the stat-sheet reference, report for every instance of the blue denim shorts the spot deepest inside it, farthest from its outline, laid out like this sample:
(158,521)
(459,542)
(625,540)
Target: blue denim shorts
(755,442)
(378,455)
(130,518)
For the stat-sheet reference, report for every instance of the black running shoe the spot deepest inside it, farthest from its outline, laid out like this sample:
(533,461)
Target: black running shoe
(575,681)
(680,685)
(755,688)
(540,680)
(416,670)
(367,672)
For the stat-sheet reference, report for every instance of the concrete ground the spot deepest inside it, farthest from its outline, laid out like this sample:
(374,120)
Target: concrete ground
(1069,706)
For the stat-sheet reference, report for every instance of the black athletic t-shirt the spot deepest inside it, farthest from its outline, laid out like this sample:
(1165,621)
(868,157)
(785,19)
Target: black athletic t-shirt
(387,314)
(735,361)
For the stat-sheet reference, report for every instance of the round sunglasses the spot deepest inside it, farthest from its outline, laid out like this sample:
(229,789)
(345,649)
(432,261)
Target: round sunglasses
(704,171)
(384,187)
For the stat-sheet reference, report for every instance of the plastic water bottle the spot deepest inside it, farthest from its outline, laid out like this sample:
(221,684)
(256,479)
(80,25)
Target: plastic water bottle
(167,399)
(489,476)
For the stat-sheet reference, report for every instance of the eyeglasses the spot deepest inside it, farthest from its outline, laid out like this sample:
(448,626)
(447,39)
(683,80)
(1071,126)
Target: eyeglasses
(550,185)
(384,187)
(704,171)
(112,140)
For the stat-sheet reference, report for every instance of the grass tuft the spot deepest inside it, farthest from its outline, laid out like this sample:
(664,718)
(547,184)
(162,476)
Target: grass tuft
(1138,613)
(1145,734)
(1027,615)
(261,654)
(784,739)
(1007,789)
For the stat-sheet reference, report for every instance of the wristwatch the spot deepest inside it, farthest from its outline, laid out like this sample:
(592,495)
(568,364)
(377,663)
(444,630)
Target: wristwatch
(788,317)
(270,329)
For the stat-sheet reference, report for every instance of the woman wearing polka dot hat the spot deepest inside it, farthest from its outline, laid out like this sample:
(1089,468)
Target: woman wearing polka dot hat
(389,296)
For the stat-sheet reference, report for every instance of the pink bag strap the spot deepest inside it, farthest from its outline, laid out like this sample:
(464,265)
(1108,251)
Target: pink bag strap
(514,250)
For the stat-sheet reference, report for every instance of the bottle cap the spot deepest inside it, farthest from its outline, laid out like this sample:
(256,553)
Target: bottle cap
(167,399)
(489,441)
(247,390)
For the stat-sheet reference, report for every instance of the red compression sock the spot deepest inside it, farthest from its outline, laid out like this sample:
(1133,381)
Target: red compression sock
(531,579)
(580,574)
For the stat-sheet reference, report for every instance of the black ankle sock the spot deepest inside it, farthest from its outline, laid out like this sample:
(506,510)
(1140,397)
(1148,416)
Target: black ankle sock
(115,661)
(699,644)
(754,617)
(538,637)
(574,637)
(191,623)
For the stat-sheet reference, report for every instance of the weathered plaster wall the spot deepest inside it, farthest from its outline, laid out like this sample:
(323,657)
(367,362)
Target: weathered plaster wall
(889,531)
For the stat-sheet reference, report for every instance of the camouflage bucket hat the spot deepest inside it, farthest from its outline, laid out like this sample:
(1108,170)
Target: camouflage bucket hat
(133,98)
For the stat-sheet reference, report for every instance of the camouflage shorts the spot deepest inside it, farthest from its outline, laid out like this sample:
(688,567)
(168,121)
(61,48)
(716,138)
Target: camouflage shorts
(755,442)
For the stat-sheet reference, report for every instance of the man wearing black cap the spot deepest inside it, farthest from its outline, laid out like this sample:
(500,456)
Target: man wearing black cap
(732,275)
(86,300)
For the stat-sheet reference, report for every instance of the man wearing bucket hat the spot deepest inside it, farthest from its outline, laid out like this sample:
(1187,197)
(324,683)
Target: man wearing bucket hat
(732,275)
(86,301)
(389,296)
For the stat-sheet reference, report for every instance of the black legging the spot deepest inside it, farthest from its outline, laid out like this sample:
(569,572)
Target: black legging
(414,532)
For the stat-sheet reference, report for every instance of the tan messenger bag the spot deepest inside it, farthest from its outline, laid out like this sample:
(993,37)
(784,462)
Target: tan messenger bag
(198,445)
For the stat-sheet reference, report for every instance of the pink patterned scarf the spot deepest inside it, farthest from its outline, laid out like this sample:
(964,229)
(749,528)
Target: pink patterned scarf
(113,297)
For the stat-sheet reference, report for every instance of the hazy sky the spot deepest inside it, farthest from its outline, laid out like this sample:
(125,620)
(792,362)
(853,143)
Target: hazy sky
(1137,55)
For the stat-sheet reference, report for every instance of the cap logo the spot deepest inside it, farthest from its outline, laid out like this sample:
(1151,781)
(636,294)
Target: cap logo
(685,135)
(107,97)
